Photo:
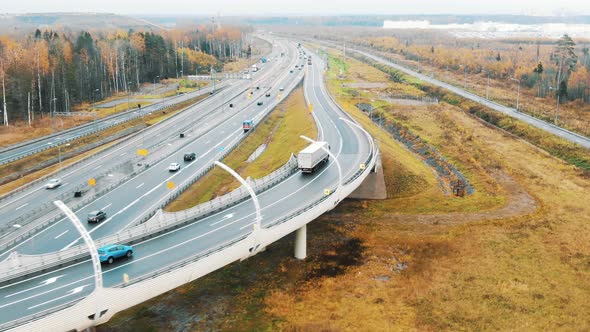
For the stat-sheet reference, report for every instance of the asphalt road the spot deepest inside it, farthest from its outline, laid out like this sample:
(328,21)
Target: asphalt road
(19,151)
(548,127)
(74,282)
(205,116)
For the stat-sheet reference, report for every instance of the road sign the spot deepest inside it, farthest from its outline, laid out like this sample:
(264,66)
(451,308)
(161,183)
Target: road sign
(310,107)
(327,192)
(125,278)
(170,185)
(92,182)
(279,96)
(142,152)
(363,166)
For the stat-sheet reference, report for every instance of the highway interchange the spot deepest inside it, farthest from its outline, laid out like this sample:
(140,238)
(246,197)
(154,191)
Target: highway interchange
(212,127)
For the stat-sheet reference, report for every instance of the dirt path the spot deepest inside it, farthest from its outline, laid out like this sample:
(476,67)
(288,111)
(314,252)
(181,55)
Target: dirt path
(519,203)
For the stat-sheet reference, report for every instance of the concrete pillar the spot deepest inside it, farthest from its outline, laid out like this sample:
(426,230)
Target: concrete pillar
(301,242)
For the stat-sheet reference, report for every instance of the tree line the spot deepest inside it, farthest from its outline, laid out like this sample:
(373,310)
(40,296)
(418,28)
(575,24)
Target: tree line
(49,71)
(550,68)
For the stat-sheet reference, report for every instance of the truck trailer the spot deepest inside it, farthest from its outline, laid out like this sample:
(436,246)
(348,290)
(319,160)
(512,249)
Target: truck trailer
(312,157)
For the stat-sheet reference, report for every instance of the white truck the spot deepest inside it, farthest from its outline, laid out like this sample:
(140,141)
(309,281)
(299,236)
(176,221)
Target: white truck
(254,68)
(310,158)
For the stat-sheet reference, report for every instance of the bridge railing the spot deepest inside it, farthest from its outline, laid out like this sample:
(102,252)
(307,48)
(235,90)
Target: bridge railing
(134,234)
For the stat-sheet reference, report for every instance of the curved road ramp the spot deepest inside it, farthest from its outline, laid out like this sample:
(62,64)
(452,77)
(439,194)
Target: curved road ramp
(180,247)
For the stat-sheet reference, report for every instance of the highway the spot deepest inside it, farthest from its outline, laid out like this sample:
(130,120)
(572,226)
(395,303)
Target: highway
(546,126)
(161,139)
(71,284)
(21,150)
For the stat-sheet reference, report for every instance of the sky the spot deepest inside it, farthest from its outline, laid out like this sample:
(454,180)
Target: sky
(299,7)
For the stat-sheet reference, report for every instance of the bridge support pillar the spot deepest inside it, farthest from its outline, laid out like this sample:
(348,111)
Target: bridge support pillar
(301,242)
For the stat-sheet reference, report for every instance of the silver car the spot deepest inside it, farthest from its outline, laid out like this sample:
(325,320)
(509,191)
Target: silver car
(53,183)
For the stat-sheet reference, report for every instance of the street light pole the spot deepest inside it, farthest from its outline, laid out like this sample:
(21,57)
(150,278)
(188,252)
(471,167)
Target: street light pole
(518,94)
(154,85)
(91,248)
(128,94)
(557,109)
(465,80)
(258,222)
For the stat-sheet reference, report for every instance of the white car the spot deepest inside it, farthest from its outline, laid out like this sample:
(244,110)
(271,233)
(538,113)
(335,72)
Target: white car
(174,167)
(281,89)
(53,183)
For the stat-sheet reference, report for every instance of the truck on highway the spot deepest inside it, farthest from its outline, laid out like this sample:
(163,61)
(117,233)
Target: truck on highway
(247,125)
(313,156)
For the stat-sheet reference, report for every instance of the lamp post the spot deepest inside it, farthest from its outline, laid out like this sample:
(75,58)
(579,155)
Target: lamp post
(557,109)
(465,78)
(337,166)
(258,222)
(128,93)
(488,84)
(518,94)
(154,85)
(91,248)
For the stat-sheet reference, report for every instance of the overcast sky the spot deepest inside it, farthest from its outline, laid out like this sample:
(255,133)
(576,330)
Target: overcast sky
(299,7)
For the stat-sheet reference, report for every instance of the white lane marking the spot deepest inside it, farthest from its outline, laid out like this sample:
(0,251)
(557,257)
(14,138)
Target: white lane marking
(22,206)
(141,185)
(45,292)
(106,207)
(65,184)
(227,216)
(61,234)
(97,167)
(104,223)
(139,145)
(122,154)
(44,274)
(71,292)
(41,284)
(207,142)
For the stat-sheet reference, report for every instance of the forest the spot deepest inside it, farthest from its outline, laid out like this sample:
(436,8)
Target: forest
(50,71)
(542,66)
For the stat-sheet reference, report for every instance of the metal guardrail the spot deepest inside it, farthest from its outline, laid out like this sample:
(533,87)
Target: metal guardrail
(110,117)
(48,176)
(147,230)
(161,223)
(165,105)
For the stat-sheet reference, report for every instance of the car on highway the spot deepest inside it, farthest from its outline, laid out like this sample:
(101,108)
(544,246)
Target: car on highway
(267,94)
(259,103)
(190,156)
(291,71)
(96,216)
(109,253)
(53,183)
(281,89)
(174,167)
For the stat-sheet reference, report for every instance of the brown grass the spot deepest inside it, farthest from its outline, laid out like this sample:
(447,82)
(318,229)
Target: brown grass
(31,161)
(280,131)
(529,271)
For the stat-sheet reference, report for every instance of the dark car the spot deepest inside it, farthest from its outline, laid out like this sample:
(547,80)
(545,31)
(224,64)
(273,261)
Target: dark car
(291,71)
(259,103)
(96,216)
(268,94)
(190,156)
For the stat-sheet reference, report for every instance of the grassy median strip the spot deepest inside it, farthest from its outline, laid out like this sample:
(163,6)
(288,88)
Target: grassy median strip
(280,132)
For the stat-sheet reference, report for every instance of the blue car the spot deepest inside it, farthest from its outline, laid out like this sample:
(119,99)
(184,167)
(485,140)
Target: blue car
(109,253)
